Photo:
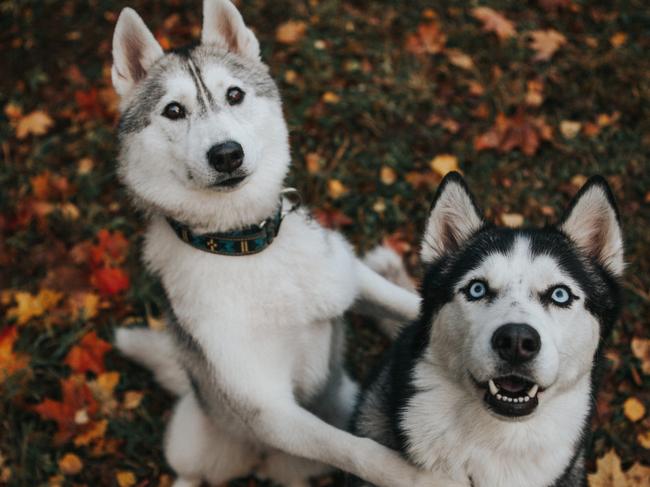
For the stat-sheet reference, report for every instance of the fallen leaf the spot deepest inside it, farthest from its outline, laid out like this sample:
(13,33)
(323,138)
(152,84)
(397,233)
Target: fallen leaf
(608,472)
(313,161)
(35,123)
(512,220)
(85,165)
(88,354)
(570,128)
(638,475)
(132,399)
(618,39)
(10,361)
(534,93)
(103,388)
(336,189)
(644,439)
(633,409)
(95,431)
(443,164)
(379,206)
(429,39)
(291,31)
(459,58)
(71,413)
(387,175)
(111,249)
(83,305)
(125,478)
(331,98)
(422,180)
(520,131)
(332,218)
(641,350)
(398,242)
(70,464)
(495,22)
(110,281)
(546,43)
(29,306)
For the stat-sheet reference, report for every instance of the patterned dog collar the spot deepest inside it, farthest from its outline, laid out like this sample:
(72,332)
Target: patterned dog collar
(248,241)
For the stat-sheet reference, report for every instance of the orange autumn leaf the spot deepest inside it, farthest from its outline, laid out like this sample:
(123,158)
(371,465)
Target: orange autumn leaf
(70,464)
(422,180)
(35,123)
(110,280)
(111,248)
(88,354)
(520,131)
(10,361)
(495,22)
(332,218)
(291,31)
(72,413)
(95,430)
(428,39)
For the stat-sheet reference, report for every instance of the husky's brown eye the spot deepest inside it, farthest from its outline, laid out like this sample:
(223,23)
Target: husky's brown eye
(235,95)
(174,111)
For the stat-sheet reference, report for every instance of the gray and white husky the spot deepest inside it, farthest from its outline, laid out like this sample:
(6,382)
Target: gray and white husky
(495,380)
(255,342)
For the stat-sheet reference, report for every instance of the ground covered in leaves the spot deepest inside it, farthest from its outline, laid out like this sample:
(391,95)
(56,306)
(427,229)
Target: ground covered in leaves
(527,98)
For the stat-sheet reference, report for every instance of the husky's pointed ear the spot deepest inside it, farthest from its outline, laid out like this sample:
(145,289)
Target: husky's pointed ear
(135,49)
(592,222)
(224,25)
(454,218)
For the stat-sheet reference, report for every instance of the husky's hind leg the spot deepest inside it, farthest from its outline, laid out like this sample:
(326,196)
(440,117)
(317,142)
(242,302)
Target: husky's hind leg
(198,450)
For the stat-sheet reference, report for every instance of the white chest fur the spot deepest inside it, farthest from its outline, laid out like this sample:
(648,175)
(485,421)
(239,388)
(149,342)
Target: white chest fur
(449,432)
(278,304)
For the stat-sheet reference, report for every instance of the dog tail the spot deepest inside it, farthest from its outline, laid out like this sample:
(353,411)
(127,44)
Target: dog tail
(155,351)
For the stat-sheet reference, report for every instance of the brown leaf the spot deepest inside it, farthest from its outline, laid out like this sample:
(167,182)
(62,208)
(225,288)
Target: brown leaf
(125,479)
(443,164)
(422,180)
(570,128)
(70,464)
(633,409)
(512,220)
(291,31)
(332,218)
(641,350)
(387,175)
(335,188)
(521,131)
(459,58)
(495,22)
(35,123)
(429,39)
(546,43)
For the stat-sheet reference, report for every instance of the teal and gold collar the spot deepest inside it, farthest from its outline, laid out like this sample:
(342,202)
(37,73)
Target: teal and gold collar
(247,241)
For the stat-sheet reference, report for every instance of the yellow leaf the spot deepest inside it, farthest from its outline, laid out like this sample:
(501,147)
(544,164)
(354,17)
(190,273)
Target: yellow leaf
(608,472)
(132,399)
(335,188)
(387,175)
(125,478)
(641,347)
(291,32)
(29,306)
(459,58)
(512,220)
(35,123)
(84,305)
(331,98)
(570,128)
(618,39)
(644,439)
(638,476)
(444,163)
(634,409)
(95,431)
(70,464)
(313,162)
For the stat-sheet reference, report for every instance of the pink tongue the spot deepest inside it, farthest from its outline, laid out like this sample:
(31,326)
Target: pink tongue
(510,385)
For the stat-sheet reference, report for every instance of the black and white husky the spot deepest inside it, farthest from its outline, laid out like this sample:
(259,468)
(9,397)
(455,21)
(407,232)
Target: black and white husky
(257,293)
(495,380)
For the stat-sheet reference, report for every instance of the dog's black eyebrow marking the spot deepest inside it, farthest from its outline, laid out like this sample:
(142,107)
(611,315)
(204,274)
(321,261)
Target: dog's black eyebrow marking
(191,69)
(206,91)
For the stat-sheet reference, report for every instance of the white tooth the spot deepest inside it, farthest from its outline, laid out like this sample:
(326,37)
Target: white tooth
(493,387)
(533,391)
(509,399)
(499,397)
(526,398)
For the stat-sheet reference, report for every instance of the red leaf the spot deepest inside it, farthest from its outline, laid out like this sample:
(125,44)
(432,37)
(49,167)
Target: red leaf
(72,413)
(110,280)
(88,355)
(332,218)
(112,248)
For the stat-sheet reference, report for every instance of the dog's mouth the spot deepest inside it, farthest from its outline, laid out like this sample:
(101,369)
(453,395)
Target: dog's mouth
(230,182)
(511,396)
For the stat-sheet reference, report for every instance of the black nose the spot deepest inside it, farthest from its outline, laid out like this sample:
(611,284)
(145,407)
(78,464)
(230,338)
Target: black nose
(516,343)
(226,157)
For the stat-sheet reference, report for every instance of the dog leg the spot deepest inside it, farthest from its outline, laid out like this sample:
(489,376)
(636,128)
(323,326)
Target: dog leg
(289,470)
(197,450)
(390,303)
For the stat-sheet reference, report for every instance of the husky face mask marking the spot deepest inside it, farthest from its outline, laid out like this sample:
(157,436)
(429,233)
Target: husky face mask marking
(199,122)
(525,306)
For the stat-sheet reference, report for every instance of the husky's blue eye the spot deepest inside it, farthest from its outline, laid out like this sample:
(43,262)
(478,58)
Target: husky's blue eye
(174,111)
(235,95)
(561,295)
(476,290)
